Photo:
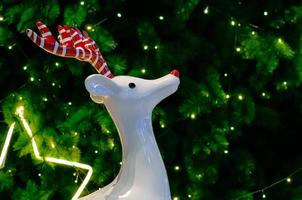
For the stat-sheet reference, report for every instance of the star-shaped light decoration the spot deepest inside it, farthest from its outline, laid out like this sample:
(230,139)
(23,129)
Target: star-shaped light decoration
(3,155)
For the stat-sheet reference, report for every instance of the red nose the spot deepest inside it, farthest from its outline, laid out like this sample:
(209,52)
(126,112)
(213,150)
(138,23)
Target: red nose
(175,72)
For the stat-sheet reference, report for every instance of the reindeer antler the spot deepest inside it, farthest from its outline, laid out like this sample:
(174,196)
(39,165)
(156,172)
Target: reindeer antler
(73,44)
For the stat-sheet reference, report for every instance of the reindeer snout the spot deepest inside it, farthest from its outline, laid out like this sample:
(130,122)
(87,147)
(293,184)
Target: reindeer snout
(175,72)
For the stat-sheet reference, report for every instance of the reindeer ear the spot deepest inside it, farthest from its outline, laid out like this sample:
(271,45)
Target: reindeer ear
(98,85)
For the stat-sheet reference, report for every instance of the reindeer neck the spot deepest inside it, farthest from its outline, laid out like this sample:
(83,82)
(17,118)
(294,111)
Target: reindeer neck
(142,165)
(135,129)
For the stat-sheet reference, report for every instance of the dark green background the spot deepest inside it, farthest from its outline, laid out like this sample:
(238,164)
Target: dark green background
(233,126)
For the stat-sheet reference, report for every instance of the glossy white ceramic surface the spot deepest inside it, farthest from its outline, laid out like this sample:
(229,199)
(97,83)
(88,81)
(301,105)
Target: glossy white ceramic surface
(142,175)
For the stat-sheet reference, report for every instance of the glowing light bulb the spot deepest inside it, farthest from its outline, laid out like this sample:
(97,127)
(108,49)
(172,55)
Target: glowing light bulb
(146,47)
(161,18)
(57,64)
(69,103)
(189,195)
(162,125)
(265,13)
(25,68)
(232,128)
(238,49)
(1,18)
(82,3)
(206,10)
(175,198)
(155,47)
(10,47)
(263,94)
(253,33)
(143,70)
(227,96)
(53,84)
(45,99)
(176,168)
(263,196)
(40,174)
(96,151)
(119,15)
(233,23)
(193,116)
(32,79)
(280,40)
(88,28)
(226,151)
(240,97)
(225,74)
(289,180)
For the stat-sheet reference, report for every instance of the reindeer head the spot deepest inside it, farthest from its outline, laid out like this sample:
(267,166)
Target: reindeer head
(117,93)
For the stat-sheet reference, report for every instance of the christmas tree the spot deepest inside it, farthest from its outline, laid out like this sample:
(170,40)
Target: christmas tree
(230,132)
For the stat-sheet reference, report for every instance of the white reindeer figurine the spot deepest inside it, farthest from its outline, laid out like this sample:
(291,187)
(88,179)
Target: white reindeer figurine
(130,102)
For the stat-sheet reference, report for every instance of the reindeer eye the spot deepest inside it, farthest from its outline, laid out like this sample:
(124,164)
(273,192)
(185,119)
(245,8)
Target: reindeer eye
(132,85)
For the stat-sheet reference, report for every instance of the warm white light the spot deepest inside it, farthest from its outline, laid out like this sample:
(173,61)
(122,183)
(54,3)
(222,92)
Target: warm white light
(227,96)
(143,70)
(25,68)
(206,10)
(32,79)
(226,151)
(155,47)
(225,74)
(146,47)
(175,198)
(45,99)
(82,3)
(253,33)
(57,64)
(40,174)
(162,125)
(88,27)
(233,23)
(189,195)
(280,40)
(69,103)
(284,83)
(119,15)
(232,128)
(53,84)
(20,114)
(6,145)
(96,151)
(161,17)
(265,13)
(74,164)
(288,180)
(263,196)
(1,18)
(240,97)
(176,168)
(238,49)
(193,116)
(263,94)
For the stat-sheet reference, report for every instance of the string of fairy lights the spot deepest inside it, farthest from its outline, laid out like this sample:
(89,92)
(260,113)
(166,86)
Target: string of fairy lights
(207,9)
